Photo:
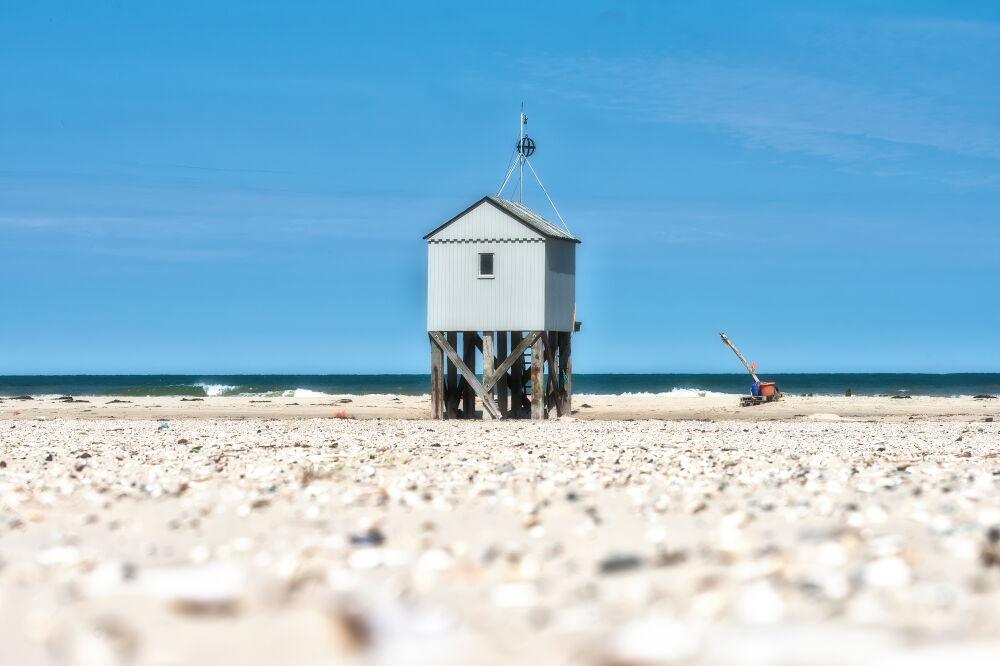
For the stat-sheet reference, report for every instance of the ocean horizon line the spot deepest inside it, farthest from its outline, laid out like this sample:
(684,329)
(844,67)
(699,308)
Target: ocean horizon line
(416,384)
(796,373)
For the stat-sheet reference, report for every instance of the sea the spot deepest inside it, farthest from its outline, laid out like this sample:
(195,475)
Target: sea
(679,385)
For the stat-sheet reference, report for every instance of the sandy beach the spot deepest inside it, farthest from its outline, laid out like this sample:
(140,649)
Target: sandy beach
(258,258)
(585,407)
(814,531)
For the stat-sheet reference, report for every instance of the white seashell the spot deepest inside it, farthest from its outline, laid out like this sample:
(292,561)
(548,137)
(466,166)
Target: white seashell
(514,595)
(205,586)
(654,640)
(59,556)
(760,603)
(886,572)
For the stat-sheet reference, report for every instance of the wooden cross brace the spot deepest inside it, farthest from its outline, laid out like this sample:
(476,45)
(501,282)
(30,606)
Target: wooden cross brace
(489,405)
(514,355)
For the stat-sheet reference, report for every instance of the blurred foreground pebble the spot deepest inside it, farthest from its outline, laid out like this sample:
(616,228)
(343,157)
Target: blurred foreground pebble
(330,541)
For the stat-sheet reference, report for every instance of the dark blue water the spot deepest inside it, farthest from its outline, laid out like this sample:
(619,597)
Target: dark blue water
(690,384)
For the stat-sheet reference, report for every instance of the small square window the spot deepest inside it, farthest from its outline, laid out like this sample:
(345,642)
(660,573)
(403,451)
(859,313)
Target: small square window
(485,264)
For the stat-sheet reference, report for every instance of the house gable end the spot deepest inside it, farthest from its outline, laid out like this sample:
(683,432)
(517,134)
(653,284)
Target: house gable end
(484,220)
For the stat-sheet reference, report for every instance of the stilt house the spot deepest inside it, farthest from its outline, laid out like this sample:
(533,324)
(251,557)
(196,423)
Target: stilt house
(500,286)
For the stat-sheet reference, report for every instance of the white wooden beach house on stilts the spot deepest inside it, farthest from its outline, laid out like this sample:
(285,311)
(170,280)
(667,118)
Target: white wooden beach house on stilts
(501,287)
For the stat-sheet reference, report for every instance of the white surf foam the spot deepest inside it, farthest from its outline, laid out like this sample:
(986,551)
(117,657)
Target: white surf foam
(215,389)
(304,393)
(673,393)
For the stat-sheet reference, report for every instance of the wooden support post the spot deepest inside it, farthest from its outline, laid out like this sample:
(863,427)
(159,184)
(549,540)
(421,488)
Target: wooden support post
(516,378)
(515,355)
(468,375)
(502,381)
(469,358)
(557,372)
(566,371)
(437,381)
(537,390)
(489,344)
(452,396)
(552,381)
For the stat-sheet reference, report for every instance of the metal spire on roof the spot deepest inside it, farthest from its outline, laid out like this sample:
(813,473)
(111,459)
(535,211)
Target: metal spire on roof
(525,149)
(520,150)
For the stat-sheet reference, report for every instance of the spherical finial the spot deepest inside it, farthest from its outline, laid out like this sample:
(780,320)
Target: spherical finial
(526,146)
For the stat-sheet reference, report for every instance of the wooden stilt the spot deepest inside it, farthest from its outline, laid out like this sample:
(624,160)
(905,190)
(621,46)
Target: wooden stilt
(556,370)
(489,344)
(552,381)
(437,381)
(502,381)
(452,395)
(454,381)
(514,356)
(566,371)
(468,375)
(469,357)
(537,389)
(516,377)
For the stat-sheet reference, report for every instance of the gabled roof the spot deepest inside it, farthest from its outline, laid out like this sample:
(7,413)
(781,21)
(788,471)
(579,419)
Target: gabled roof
(521,213)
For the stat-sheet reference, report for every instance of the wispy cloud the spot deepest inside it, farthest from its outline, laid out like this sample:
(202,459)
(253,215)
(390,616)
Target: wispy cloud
(774,108)
(171,255)
(48,221)
(151,210)
(197,167)
(611,15)
(841,113)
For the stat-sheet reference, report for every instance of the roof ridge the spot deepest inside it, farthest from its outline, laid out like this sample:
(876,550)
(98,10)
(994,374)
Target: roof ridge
(521,213)
(541,224)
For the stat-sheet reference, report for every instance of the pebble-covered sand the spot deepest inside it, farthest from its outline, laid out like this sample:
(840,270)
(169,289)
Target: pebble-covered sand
(585,407)
(613,543)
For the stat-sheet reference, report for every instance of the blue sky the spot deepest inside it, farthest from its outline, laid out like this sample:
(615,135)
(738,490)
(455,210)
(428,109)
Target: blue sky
(243,187)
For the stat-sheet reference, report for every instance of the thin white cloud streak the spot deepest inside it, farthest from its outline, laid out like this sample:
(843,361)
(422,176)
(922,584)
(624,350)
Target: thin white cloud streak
(45,221)
(780,110)
(717,224)
(925,92)
(126,210)
(169,255)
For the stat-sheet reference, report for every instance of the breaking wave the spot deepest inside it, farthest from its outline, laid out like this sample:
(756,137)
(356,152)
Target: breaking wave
(216,389)
(304,393)
(673,393)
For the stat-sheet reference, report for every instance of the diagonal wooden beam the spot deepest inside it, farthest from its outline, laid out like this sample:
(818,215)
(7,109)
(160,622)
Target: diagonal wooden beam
(489,406)
(517,353)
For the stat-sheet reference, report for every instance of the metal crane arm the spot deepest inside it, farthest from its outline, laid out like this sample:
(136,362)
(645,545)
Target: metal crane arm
(737,352)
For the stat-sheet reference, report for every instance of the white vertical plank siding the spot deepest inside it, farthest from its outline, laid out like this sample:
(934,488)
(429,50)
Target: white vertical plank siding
(459,300)
(532,287)
(560,285)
